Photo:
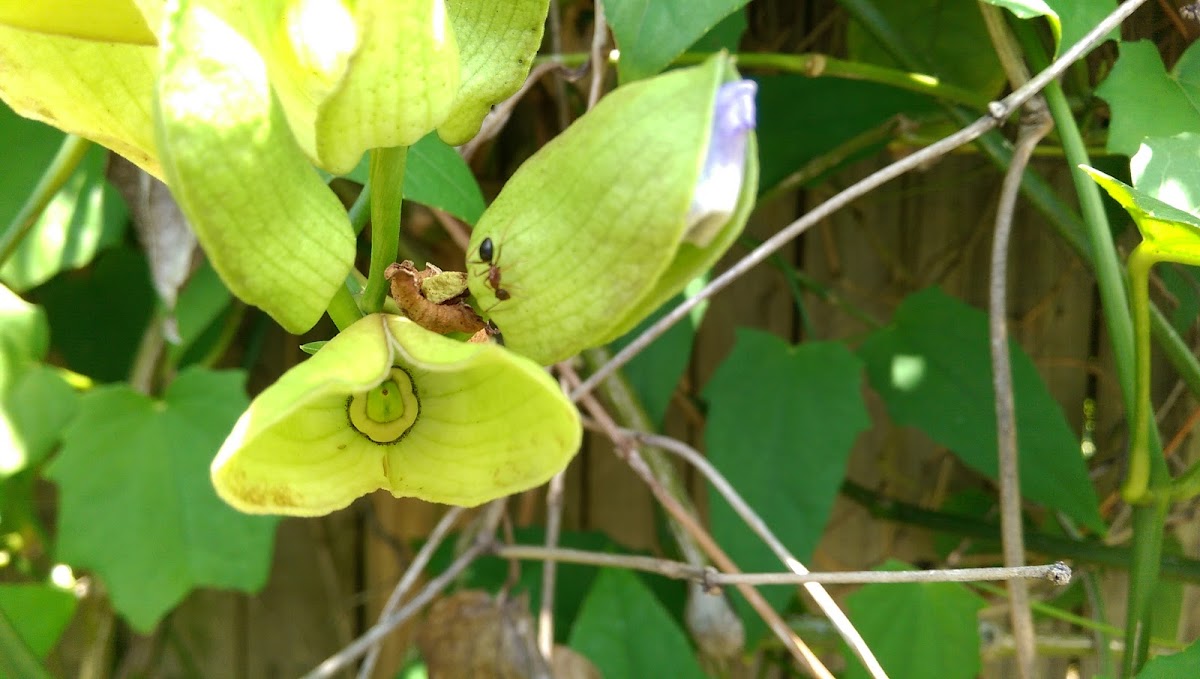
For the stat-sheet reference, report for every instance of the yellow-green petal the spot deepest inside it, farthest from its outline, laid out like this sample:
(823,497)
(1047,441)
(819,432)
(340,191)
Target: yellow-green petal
(357,76)
(111,21)
(497,43)
(590,234)
(476,422)
(492,423)
(294,451)
(271,228)
(101,91)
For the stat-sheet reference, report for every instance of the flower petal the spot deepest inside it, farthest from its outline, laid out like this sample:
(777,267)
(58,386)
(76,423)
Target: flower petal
(492,423)
(374,74)
(271,228)
(109,21)
(720,185)
(101,91)
(585,262)
(497,42)
(293,451)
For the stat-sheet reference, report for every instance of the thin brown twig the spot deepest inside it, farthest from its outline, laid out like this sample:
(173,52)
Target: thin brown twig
(599,62)
(998,111)
(554,506)
(1036,123)
(381,629)
(439,532)
(554,24)
(624,449)
(824,601)
(1058,573)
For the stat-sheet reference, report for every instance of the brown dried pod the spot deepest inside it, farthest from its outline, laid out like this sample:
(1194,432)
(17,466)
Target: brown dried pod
(452,315)
(471,635)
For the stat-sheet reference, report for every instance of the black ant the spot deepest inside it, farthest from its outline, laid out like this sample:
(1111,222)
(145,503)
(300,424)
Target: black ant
(489,253)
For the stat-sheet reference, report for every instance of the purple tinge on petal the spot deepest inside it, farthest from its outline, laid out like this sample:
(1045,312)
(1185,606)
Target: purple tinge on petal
(720,181)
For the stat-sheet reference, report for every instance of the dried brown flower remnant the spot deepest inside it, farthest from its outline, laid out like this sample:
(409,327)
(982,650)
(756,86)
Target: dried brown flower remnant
(469,635)
(450,313)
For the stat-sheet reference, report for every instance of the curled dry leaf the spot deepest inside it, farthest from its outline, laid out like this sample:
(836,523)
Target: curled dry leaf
(161,227)
(472,635)
(453,314)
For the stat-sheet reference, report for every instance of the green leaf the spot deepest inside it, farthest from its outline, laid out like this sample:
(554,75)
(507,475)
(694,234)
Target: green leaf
(137,506)
(1181,665)
(945,33)
(726,35)
(782,421)
(932,367)
(19,172)
(100,313)
(1146,101)
(40,613)
(628,634)
(1183,284)
(840,109)
(651,33)
(1167,231)
(36,409)
(1168,168)
(200,303)
(1069,19)
(917,629)
(438,177)
(24,336)
(84,217)
(277,235)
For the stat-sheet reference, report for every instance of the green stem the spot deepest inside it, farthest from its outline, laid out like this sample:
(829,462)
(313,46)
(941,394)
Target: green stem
(1078,620)
(1137,478)
(343,310)
(360,212)
(1131,352)
(16,659)
(387,194)
(1144,571)
(820,65)
(69,155)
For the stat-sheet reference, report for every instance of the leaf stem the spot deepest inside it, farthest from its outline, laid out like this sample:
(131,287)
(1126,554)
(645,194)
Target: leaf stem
(343,310)
(61,167)
(387,194)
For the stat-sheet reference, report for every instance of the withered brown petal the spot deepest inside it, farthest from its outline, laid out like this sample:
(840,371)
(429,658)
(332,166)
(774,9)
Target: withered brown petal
(453,316)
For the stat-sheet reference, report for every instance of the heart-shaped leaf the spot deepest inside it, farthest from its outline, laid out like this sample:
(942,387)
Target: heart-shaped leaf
(136,504)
